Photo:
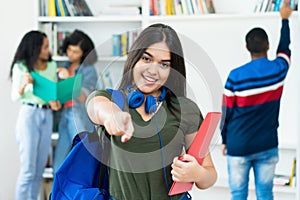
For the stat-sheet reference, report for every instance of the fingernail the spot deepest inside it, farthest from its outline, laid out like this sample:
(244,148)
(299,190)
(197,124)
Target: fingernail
(125,139)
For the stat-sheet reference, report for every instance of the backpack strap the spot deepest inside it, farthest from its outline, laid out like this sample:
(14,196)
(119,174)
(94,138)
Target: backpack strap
(117,97)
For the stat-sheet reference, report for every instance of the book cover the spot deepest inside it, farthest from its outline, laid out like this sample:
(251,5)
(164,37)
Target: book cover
(58,9)
(63,90)
(199,147)
(277,5)
(124,44)
(116,45)
(293,174)
(51,8)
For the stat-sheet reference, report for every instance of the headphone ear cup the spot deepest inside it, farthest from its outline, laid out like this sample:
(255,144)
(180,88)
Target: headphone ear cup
(135,99)
(163,94)
(150,104)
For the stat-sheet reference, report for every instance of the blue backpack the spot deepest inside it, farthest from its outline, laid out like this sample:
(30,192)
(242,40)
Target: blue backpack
(82,176)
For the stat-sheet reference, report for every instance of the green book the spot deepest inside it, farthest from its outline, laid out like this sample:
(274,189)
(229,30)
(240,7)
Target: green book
(63,90)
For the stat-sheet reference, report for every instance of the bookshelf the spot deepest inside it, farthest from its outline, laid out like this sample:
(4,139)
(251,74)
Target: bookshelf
(221,36)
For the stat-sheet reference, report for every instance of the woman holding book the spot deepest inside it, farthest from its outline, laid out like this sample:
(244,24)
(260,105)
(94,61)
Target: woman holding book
(82,55)
(34,122)
(157,122)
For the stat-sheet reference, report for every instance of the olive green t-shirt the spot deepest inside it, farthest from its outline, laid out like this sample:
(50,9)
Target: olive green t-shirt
(136,167)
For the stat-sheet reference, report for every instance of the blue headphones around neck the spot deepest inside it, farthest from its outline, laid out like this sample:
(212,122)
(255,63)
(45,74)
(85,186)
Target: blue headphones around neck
(135,98)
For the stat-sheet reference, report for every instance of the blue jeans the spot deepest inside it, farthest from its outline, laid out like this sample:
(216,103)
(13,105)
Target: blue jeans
(263,164)
(73,120)
(33,134)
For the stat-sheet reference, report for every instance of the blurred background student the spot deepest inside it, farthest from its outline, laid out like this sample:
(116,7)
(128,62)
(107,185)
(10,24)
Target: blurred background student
(82,56)
(251,103)
(34,122)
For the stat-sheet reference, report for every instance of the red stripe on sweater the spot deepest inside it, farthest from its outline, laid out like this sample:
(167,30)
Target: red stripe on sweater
(252,100)
(261,98)
(228,101)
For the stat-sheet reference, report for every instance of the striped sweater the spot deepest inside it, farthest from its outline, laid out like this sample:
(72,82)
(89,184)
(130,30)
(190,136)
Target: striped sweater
(251,101)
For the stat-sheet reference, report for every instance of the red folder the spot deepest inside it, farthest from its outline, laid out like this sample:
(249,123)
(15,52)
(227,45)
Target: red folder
(199,147)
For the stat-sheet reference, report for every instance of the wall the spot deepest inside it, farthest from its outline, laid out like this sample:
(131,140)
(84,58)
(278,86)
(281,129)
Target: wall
(16,18)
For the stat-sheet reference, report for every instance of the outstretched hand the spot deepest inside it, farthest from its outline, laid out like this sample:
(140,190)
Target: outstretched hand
(120,124)
(286,10)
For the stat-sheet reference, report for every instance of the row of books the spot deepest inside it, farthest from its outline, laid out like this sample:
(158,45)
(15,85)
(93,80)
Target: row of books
(181,7)
(122,42)
(272,5)
(197,7)
(62,8)
(157,7)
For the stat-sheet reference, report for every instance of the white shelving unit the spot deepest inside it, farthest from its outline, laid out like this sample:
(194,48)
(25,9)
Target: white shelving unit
(221,36)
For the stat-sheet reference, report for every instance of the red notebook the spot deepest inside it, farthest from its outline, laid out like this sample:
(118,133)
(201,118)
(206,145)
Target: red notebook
(199,147)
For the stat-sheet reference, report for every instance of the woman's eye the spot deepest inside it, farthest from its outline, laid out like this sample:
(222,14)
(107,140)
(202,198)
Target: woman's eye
(165,65)
(146,59)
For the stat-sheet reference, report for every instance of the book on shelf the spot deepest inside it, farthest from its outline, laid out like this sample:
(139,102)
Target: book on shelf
(162,7)
(202,7)
(61,35)
(286,180)
(210,6)
(189,7)
(63,90)
(51,8)
(169,8)
(292,177)
(69,7)
(184,7)
(62,8)
(264,6)
(53,36)
(178,7)
(82,8)
(43,8)
(116,45)
(181,7)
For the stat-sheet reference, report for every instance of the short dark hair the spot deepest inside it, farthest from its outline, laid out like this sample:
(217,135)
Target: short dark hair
(85,43)
(257,41)
(154,34)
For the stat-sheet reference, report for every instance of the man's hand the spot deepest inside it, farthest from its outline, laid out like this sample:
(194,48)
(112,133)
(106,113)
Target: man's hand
(223,149)
(286,10)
